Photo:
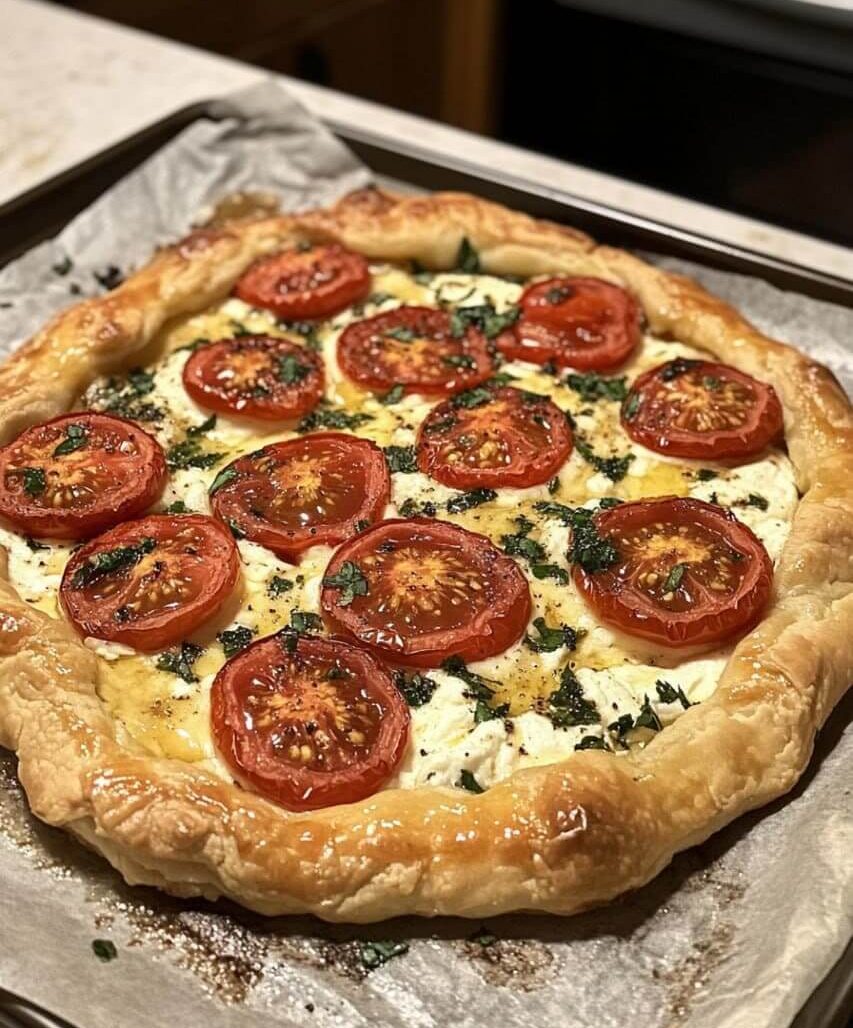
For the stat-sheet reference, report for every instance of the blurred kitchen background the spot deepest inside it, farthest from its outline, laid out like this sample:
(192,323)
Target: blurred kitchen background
(742,104)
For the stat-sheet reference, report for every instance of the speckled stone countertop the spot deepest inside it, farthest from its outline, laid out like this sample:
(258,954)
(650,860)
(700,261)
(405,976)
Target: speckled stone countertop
(71,85)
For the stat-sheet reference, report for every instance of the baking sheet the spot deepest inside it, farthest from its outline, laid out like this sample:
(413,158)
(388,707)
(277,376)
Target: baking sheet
(735,933)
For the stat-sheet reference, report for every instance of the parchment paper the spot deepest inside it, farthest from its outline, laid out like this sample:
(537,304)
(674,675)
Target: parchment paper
(735,934)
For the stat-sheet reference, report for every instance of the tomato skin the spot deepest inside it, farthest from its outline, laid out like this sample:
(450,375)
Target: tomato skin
(117,474)
(595,327)
(661,399)
(427,362)
(620,602)
(277,477)
(192,550)
(266,667)
(514,440)
(306,284)
(239,377)
(472,623)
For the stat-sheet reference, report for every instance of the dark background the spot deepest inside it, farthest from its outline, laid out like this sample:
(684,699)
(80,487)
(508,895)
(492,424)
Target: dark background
(744,105)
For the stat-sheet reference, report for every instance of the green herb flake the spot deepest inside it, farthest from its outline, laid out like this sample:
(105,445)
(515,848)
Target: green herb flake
(674,369)
(107,562)
(553,486)
(614,468)
(375,954)
(178,507)
(351,582)
(62,266)
(35,546)
(206,426)
(631,406)
(592,387)
(394,395)
(711,383)
(290,370)
(75,438)
(468,782)
(591,742)
(520,545)
(402,334)
(35,481)
(756,500)
(484,318)
(105,950)
(401,459)
(472,398)
(332,417)
(235,639)
(543,571)
(190,454)
(551,639)
(417,689)
(673,579)
(305,621)
(706,474)
(460,360)
(567,706)
(647,718)
(467,501)
(278,586)
(467,258)
(223,478)
(671,694)
(180,661)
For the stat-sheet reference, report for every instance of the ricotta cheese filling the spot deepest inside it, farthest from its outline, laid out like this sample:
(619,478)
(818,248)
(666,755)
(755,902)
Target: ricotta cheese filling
(621,690)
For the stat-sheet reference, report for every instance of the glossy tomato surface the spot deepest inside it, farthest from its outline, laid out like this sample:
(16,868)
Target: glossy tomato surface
(583,323)
(308,723)
(418,591)
(150,583)
(415,348)
(502,438)
(318,490)
(255,376)
(74,476)
(686,573)
(311,282)
(702,409)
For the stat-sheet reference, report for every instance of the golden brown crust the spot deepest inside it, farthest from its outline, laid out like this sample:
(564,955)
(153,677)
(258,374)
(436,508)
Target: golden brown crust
(556,838)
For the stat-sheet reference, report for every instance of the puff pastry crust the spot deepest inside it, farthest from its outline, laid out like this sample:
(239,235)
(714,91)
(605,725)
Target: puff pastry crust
(557,838)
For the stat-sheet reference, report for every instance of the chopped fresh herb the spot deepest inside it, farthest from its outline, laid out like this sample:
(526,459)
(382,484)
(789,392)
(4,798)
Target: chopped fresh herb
(519,545)
(35,481)
(706,474)
(379,298)
(755,500)
(105,950)
(592,387)
(671,694)
(278,586)
(305,621)
(306,329)
(331,417)
(125,396)
(442,425)
(711,383)
(223,477)
(239,329)
(673,579)
(556,294)
(402,334)
(35,546)
(588,548)
(467,258)
(483,938)
(178,507)
(468,782)
(484,317)
(108,561)
(235,639)
(236,529)
(560,511)
(460,360)
(75,438)
(140,381)
(110,278)
(189,454)
(501,378)
(591,742)
(375,954)
(466,501)
(417,689)
(401,459)
(673,369)
(410,509)
(394,395)
(614,468)
(291,370)
(553,486)
(472,398)
(206,426)
(567,706)
(180,661)
(621,726)
(647,718)
(551,639)
(632,405)
(63,266)
(477,688)
(350,581)
(554,571)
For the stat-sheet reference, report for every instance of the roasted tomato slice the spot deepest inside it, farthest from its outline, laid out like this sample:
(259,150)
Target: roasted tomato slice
(419,591)
(582,323)
(511,438)
(314,282)
(150,583)
(310,722)
(414,347)
(684,573)
(322,489)
(689,408)
(76,475)
(256,376)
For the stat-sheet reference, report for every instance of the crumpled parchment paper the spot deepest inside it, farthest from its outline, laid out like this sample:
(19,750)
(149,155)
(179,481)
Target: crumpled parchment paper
(735,934)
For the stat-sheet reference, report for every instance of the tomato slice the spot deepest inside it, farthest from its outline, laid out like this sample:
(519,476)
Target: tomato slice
(255,376)
(314,282)
(508,438)
(692,408)
(688,573)
(583,323)
(74,476)
(418,591)
(150,583)
(289,496)
(310,722)
(414,347)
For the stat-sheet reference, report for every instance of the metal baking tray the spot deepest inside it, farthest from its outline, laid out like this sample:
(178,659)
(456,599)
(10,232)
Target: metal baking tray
(43,211)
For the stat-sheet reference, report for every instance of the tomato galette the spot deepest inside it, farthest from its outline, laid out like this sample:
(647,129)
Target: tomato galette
(414,556)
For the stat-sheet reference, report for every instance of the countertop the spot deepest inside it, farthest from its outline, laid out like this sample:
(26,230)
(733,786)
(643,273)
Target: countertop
(71,85)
